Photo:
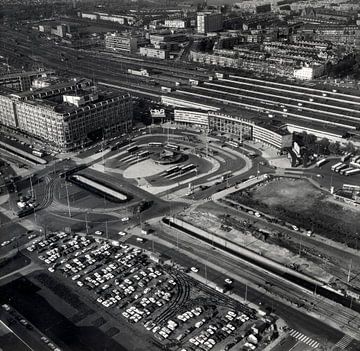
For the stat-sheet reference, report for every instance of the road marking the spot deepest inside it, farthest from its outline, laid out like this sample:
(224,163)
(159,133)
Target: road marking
(304,339)
(344,342)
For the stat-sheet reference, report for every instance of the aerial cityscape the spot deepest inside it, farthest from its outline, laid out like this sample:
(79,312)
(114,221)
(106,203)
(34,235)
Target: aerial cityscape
(180,175)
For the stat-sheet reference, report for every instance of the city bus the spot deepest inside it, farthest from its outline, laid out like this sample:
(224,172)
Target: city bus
(132,149)
(172,170)
(333,167)
(173,147)
(352,171)
(233,143)
(155,144)
(344,170)
(38,153)
(143,154)
(345,157)
(339,168)
(187,168)
(321,162)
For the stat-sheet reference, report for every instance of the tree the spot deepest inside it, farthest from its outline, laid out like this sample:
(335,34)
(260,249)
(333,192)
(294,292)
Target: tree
(334,148)
(350,147)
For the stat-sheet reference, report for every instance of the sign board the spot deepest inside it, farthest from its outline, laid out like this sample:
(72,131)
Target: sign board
(157,113)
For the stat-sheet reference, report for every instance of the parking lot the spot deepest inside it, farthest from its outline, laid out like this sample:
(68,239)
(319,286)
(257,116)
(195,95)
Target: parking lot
(174,309)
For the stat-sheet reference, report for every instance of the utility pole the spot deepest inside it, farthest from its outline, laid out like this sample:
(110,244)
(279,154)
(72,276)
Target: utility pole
(31,188)
(67,197)
(206,280)
(349,274)
(86,224)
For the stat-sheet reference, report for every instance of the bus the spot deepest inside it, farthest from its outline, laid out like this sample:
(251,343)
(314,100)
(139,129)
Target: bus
(172,170)
(339,168)
(345,157)
(355,159)
(38,153)
(187,168)
(321,162)
(132,149)
(336,165)
(233,143)
(226,176)
(155,144)
(344,170)
(143,154)
(173,147)
(353,171)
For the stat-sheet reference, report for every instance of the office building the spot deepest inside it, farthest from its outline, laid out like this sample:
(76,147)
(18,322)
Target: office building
(209,22)
(68,115)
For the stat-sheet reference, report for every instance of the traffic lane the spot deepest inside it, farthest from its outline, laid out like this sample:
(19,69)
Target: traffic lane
(285,345)
(9,341)
(207,193)
(295,319)
(28,337)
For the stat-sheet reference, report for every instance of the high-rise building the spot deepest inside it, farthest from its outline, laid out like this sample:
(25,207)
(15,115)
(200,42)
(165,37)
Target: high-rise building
(68,115)
(209,22)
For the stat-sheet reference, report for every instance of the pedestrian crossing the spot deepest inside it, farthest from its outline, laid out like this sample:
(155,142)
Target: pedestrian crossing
(343,343)
(303,338)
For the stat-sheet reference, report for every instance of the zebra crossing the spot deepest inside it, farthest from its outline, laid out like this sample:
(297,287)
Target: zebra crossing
(303,338)
(343,343)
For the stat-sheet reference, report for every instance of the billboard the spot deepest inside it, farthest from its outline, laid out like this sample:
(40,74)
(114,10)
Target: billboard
(157,113)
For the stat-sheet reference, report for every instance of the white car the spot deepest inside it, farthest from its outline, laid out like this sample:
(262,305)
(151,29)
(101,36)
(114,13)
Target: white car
(122,233)
(125,219)
(194,269)
(99,232)
(257,214)
(295,227)
(228,281)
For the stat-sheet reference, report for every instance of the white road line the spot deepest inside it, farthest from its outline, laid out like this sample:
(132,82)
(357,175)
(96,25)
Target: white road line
(11,331)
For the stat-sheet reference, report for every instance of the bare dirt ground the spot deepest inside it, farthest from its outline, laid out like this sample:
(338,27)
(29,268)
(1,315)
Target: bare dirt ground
(298,202)
(289,193)
(211,223)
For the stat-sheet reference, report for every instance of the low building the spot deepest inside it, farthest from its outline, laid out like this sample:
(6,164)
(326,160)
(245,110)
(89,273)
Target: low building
(23,81)
(178,23)
(191,117)
(309,72)
(154,53)
(123,42)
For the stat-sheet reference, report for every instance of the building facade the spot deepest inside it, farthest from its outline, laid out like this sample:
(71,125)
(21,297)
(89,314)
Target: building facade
(68,119)
(209,22)
(120,42)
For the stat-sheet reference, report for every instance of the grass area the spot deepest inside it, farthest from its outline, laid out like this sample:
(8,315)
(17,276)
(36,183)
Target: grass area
(300,203)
